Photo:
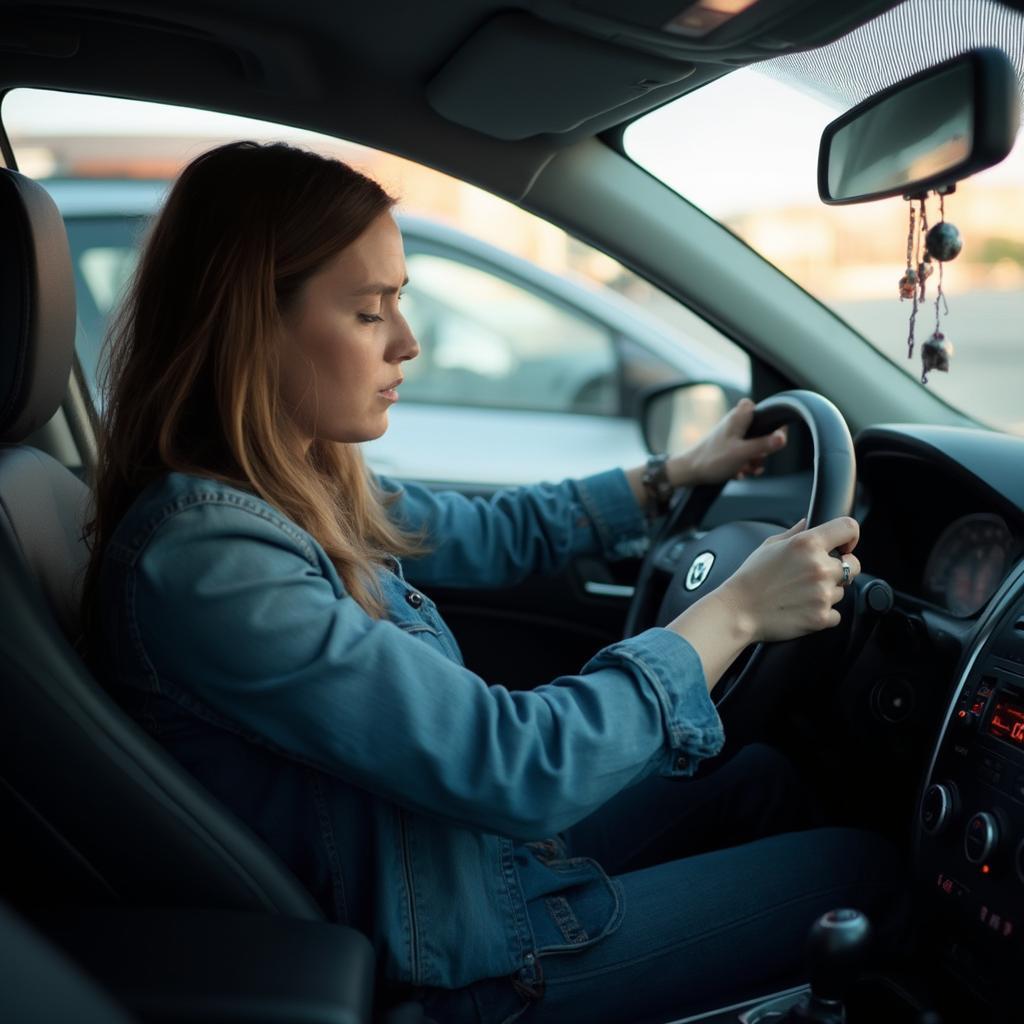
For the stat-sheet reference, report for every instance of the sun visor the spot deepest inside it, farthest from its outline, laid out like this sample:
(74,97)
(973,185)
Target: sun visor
(519,76)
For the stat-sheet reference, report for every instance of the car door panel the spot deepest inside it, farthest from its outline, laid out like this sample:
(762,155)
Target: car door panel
(545,626)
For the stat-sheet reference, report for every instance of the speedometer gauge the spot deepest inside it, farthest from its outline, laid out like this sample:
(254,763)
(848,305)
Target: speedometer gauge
(968,562)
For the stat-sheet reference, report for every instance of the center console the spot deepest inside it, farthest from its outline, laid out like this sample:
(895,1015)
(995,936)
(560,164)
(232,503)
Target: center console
(970,827)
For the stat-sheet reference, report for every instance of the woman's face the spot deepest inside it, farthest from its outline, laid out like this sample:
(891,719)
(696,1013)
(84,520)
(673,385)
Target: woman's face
(346,340)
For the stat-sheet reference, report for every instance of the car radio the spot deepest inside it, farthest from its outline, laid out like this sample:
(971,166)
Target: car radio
(970,828)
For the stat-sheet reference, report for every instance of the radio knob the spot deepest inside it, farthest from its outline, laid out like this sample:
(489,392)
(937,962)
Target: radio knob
(937,807)
(981,837)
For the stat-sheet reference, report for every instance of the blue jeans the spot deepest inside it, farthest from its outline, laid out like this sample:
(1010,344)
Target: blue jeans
(704,926)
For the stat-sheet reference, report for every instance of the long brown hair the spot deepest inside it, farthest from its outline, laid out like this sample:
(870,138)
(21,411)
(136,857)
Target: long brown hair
(191,375)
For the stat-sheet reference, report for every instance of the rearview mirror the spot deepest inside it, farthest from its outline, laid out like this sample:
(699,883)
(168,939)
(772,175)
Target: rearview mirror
(677,416)
(924,133)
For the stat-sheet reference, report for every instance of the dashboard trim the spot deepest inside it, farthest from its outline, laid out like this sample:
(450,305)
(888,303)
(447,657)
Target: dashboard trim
(980,455)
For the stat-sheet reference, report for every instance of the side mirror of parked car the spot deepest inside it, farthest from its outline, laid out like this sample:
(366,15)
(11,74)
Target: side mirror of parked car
(675,416)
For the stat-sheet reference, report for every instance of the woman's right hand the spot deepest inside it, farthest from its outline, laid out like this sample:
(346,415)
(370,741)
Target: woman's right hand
(788,586)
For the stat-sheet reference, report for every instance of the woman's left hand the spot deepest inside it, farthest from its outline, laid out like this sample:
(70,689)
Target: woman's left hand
(725,454)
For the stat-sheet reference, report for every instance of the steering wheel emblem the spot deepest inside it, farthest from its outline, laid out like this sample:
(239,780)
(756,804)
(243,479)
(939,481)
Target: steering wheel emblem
(699,569)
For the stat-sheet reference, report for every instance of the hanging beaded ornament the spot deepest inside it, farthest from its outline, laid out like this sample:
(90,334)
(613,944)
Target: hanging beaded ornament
(941,244)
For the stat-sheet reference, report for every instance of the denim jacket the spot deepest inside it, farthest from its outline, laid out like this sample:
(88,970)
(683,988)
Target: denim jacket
(417,801)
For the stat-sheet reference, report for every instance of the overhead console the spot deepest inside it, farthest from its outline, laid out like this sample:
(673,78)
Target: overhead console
(735,31)
(588,63)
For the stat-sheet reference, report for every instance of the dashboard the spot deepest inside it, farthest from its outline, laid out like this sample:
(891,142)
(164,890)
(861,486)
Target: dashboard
(942,514)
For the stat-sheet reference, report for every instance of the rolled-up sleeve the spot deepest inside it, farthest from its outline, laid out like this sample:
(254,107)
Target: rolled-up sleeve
(502,539)
(236,613)
(674,671)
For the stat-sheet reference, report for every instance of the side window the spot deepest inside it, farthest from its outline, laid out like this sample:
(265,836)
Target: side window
(535,346)
(486,341)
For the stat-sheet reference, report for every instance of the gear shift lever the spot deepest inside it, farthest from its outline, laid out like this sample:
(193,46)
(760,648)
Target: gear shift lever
(836,948)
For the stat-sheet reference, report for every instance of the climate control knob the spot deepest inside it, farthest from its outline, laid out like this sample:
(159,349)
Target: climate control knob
(937,807)
(981,837)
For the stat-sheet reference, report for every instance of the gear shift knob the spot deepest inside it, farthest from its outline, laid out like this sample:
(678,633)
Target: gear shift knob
(836,949)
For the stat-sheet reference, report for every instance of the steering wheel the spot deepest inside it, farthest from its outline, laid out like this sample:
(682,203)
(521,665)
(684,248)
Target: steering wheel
(682,565)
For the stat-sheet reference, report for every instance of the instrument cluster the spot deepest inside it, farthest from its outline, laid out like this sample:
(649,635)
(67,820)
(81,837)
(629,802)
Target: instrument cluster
(968,561)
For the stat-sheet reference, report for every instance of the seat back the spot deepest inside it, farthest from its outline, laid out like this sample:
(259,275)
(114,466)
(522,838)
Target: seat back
(91,809)
(42,509)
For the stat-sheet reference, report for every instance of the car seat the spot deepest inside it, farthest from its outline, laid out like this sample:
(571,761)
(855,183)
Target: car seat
(93,810)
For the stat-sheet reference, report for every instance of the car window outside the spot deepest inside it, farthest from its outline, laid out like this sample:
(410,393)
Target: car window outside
(547,326)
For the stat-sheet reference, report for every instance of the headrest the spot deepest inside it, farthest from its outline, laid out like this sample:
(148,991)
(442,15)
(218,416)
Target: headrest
(37,307)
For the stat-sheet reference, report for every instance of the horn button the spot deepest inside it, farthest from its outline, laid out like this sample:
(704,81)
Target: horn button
(700,564)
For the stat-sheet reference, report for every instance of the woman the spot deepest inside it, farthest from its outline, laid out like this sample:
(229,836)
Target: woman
(246,593)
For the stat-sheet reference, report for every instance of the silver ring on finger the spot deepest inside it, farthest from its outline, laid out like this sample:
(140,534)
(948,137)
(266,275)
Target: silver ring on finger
(847,573)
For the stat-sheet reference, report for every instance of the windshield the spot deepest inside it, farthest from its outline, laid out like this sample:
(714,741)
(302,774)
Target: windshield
(745,147)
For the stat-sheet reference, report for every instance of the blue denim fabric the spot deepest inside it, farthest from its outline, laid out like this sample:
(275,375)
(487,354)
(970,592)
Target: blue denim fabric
(717,907)
(408,794)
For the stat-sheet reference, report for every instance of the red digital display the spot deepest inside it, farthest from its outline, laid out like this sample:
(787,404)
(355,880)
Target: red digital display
(1007,722)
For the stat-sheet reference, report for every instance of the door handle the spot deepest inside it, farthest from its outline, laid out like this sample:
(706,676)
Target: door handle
(607,589)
